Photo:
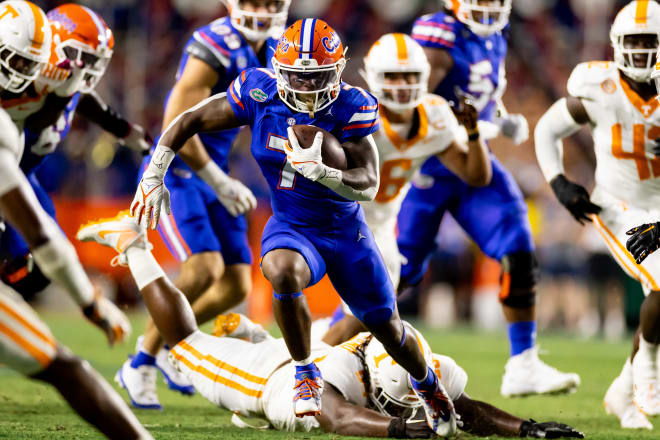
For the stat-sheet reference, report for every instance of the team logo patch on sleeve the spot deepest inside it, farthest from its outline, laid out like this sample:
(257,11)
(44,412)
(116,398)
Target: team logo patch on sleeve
(258,95)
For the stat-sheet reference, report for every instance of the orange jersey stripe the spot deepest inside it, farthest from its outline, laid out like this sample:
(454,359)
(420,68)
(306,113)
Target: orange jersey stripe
(222,365)
(179,236)
(401,49)
(644,272)
(641,12)
(369,124)
(11,312)
(216,378)
(37,13)
(39,355)
(236,100)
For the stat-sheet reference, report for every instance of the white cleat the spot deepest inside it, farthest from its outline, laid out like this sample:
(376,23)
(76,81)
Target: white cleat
(526,374)
(645,379)
(173,377)
(119,232)
(140,384)
(618,402)
(237,325)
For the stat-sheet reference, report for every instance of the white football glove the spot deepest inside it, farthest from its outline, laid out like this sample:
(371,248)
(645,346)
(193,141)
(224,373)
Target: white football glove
(106,316)
(307,161)
(152,193)
(514,126)
(234,196)
(137,139)
(74,81)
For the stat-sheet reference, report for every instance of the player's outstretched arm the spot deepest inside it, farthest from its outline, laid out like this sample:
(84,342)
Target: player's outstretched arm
(212,114)
(51,250)
(342,417)
(472,163)
(563,118)
(482,419)
(95,109)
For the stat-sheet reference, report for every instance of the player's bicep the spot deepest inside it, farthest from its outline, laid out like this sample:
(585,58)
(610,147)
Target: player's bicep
(212,114)
(362,159)
(194,85)
(441,63)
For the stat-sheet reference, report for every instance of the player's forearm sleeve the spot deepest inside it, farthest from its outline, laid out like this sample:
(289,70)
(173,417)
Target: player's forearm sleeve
(556,124)
(11,174)
(96,110)
(57,259)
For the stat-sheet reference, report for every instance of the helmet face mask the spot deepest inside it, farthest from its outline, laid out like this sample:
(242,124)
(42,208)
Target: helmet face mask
(635,54)
(17,72)
(308,90)
(397,72)
(249,17)
(483,17)
(94,66)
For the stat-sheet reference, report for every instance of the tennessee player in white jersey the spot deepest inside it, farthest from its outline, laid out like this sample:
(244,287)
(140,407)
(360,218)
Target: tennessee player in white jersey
(414,125)
(365,394)
(621,106)
(26,343)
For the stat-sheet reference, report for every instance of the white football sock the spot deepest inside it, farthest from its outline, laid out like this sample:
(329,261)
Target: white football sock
(144,267)
(644,368)
(625,377)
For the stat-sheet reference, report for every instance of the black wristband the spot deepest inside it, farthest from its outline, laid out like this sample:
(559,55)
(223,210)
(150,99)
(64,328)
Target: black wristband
(397,428)
(473,137)
(89,310)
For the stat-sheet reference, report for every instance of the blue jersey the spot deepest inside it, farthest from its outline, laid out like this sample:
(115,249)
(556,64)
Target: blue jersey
(478,61)
(225,50)
(295,199)
(33,156)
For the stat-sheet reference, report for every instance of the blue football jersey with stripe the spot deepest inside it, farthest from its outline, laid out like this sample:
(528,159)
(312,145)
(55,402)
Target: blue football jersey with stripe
(33,157)
(223,48)
(295,199)
(478,61)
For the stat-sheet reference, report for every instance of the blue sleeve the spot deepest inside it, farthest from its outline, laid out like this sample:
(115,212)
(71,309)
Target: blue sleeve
(360,114)
(238,93)
(434,32)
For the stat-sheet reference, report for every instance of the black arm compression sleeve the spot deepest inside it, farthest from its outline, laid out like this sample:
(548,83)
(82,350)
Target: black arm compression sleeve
(92,107)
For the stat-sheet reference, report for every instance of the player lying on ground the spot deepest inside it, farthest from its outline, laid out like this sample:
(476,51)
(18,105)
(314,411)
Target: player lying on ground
(414,125)
(317,226)
(365,394)
(207,231)
(26,343)
(618,102)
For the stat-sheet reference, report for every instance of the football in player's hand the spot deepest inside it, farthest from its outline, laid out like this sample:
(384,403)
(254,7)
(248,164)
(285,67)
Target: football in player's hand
(332,152)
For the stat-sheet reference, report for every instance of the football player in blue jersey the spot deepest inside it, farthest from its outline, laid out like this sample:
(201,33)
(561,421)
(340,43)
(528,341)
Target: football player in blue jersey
(466,46)
(317,226)
(207,231)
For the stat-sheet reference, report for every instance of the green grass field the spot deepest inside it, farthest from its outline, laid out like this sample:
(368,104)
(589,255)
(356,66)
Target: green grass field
(30,410)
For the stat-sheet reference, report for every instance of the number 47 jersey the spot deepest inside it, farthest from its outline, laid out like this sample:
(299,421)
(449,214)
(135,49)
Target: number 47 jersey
(625,128)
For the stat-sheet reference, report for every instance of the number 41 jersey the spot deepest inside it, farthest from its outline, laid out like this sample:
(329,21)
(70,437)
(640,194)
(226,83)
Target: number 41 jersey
(478,61)
(354,114)
(624,131)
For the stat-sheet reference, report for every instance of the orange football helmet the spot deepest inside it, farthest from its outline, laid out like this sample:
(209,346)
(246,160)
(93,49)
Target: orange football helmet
(80,34)
(308,62)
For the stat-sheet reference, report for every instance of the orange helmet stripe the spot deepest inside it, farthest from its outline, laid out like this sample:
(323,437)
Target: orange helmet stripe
(401,48)
(641,12)
(38,40)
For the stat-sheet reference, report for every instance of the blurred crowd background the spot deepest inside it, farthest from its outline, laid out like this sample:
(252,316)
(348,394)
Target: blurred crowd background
(582,290)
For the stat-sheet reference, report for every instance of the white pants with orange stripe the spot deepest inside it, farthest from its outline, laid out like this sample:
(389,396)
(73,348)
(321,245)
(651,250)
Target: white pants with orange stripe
(230,373)
(612,223)
(26,343)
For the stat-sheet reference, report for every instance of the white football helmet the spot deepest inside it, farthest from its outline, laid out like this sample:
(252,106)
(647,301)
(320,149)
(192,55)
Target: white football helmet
(25,39)
(482,19)
(636,18)
(251,24)
(396,53)
(389,388)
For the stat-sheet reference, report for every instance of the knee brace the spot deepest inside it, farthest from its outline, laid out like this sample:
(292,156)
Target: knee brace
(24,276)
(518,280)
(286,297)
